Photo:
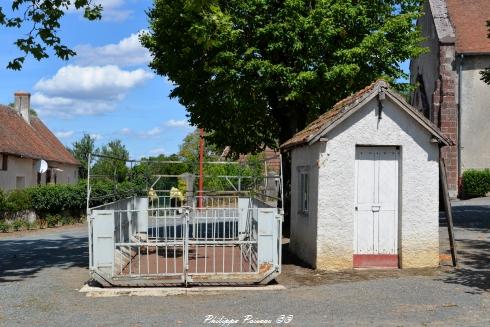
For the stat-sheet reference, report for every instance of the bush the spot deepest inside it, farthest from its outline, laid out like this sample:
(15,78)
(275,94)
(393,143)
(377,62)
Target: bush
(18,200)
(54,220)
(4,226)
(2,202)
(53,199)
(476,183)
(19,224)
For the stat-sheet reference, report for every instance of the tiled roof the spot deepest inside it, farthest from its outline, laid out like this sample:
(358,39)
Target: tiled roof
(32,140)
(469,18)
(346,105)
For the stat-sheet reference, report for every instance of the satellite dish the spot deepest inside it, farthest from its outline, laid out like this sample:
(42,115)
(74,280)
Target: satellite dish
(41,166)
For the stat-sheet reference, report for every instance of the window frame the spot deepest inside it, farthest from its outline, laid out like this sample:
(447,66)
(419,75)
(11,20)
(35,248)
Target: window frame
(304,190)
(5,161)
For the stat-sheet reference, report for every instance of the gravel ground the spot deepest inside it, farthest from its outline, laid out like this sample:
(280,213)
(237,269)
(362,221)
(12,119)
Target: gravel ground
(40,273)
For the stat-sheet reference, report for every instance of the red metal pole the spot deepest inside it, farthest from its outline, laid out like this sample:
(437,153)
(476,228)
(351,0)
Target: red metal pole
(201,163)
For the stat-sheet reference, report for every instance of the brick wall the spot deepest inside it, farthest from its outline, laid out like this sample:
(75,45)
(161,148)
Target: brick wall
(445,111)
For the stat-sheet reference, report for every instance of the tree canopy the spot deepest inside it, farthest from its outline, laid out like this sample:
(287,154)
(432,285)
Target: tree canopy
(81,150)
(112,162)
(42,21)
(254,72)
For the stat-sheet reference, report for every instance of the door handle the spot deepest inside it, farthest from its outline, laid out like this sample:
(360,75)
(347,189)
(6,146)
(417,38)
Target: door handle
(375,208)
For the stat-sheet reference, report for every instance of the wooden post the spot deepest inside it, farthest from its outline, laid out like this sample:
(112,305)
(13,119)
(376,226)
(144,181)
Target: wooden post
(448,209)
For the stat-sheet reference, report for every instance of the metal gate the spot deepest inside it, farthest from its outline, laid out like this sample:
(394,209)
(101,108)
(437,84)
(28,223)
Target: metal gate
(154,241)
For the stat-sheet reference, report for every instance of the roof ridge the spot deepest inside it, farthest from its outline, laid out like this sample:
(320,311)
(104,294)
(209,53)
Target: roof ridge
(319,125)
(32,140)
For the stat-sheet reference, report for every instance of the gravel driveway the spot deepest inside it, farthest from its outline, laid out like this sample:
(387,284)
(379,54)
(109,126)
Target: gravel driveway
(41,272)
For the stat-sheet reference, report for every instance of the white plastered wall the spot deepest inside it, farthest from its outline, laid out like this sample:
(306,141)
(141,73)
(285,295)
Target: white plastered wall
(24,167)
(419,189)
(304,227)
(475,114)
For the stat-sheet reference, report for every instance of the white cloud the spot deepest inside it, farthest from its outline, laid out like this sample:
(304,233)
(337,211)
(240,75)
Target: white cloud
(128,52)
(91,90)
(126,131)
(96,136)
(151,133)
(112,10)
(177,123)
(64,134)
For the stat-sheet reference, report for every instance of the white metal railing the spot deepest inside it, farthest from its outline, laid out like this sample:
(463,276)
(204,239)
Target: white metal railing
(153,238)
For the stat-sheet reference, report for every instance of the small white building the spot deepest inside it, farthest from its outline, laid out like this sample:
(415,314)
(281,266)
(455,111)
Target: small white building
(25,144)
(365,185)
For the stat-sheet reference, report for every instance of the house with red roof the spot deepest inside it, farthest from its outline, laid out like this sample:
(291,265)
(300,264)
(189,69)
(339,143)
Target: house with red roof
(450,91)
(30,154)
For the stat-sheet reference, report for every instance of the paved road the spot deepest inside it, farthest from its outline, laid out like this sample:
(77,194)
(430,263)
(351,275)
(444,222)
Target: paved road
(40,274)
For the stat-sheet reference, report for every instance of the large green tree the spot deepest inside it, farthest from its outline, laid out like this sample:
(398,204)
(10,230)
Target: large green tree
(39,22)
(254,72)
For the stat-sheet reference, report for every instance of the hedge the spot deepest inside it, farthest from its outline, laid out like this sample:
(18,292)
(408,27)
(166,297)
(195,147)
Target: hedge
(57,199)
(476,183)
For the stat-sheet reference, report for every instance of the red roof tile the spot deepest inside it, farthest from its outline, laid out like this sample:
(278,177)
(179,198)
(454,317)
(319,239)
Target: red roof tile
(32,140)
(344,106)
(469,18)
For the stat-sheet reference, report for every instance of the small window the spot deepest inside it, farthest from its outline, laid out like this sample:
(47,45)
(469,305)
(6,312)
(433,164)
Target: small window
(20,182)
(4,160)
(304,190)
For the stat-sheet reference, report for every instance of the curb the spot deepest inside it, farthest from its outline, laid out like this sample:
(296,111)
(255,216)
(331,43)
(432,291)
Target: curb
(91,291)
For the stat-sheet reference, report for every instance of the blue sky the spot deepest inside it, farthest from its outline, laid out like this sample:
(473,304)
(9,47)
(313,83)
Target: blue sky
(107,90)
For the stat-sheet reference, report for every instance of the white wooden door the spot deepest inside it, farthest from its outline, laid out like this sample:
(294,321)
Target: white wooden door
(376,207)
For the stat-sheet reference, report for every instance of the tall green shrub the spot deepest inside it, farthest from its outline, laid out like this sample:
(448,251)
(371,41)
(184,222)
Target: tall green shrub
(476,183)
(18,200)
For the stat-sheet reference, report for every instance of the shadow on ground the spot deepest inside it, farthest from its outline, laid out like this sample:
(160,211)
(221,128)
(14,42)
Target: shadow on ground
(472,232)
(21,259)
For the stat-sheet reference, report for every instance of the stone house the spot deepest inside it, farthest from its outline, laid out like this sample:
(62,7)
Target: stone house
(449,89)
(365,184)
(26,144)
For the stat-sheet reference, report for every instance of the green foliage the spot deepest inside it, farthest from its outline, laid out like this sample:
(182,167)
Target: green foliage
(252,73)
(476,183)
(112,164)
(81,150)
(54,220)
(4,226)
(251,173)
(18,200)
(42,21)
(485,74)
(58,198)
(19,224)
(3,201)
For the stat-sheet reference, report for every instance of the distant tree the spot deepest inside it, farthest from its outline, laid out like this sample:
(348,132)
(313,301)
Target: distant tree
(42,21)
(113,161)
(485,74)
(80,150)
(189,149)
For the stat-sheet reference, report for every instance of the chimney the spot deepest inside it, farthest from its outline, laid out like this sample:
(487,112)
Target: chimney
(23,104)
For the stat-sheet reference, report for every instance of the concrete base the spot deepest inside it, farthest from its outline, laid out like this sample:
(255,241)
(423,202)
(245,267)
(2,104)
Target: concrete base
(92,291)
